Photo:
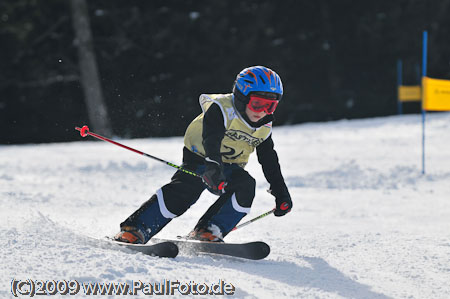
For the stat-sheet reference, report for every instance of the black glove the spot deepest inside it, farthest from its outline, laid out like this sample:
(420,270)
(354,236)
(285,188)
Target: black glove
(284,204)
(213,177)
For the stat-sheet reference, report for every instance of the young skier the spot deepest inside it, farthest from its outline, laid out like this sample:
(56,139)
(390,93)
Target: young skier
(218,144)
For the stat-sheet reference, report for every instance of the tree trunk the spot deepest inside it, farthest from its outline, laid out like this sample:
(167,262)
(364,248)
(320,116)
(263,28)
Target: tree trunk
(90,81)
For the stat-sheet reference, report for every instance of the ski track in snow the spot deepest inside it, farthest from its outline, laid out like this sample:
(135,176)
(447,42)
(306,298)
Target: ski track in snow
(366,223)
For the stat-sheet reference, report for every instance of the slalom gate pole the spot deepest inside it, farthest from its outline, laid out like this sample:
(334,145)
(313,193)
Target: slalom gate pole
(424,73)
(84,131)
(254,219)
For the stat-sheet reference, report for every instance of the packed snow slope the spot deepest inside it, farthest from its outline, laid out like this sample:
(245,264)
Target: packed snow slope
(365,224)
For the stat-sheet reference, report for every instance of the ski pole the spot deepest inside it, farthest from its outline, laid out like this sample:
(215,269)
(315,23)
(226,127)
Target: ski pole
(254,219)
(84,131)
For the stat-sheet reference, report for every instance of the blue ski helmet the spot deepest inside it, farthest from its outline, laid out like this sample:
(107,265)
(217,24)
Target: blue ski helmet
(258,78)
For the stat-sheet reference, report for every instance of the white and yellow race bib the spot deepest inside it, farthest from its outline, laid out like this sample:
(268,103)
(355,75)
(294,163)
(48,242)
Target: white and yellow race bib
(240,138)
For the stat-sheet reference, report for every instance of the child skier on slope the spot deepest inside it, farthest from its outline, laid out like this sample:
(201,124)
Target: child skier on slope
(218,144)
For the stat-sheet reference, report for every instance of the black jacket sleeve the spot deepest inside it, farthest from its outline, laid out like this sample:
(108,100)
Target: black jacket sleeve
(213,132)
(268,158)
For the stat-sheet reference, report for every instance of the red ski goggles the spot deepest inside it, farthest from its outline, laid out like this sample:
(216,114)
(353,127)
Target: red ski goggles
(258,103)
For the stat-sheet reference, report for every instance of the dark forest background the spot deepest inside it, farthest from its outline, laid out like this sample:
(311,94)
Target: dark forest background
(337,59)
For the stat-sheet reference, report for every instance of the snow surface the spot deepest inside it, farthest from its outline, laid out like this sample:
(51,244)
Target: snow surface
(366,223)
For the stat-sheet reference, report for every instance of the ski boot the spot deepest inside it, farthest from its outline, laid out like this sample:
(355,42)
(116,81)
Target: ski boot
(129,234)
(210,234)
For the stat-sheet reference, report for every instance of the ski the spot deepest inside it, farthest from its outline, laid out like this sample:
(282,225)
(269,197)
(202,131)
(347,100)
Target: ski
(252,250)
(161,249)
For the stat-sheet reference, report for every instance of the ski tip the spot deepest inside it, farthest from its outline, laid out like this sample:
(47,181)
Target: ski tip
(263,250)
(266,248)
(162,249)
(171,250)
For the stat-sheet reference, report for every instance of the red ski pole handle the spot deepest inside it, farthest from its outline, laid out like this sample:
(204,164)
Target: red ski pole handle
(284,206)
(222,186)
